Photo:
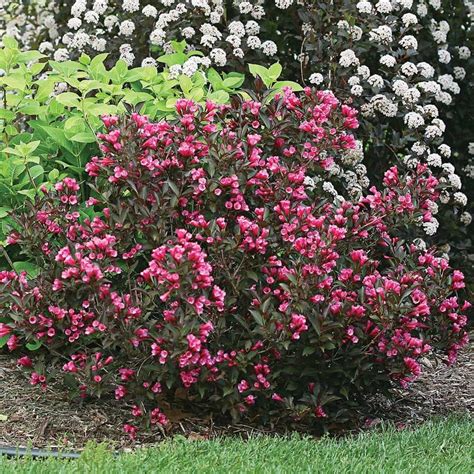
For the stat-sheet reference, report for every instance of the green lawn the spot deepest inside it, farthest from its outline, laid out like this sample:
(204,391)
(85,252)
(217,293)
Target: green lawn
(437,447)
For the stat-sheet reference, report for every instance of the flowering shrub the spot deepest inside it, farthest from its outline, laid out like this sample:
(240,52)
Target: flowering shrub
(224,31)
(402,62)
(218,263)
(408,66)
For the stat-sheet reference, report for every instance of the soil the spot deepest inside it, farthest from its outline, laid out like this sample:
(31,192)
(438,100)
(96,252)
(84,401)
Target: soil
(31,418)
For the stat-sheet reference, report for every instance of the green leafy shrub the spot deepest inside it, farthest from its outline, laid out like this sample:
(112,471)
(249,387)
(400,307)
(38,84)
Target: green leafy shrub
(51,111)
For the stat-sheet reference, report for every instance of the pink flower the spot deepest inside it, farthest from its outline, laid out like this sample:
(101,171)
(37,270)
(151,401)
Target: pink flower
(5,330)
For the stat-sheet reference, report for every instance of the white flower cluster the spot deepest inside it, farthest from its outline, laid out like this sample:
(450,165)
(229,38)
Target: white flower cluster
(406,85)
(137,27)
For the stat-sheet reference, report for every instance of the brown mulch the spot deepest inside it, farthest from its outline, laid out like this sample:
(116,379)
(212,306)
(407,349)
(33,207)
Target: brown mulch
(438,392)
(30,418)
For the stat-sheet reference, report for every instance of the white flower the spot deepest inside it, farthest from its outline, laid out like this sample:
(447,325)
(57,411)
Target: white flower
(329,188)
(409,69)
(459,73)
(464,52)
(253,42)
(364,7)
(309,182)
(316,78)
(348,58)
(219,57)
(237,28)
(419,148)
(454,180)
(61,54)
(434,160)
(466,218)
(431,227)
(353,81)
(74,23)
(384,105)
(269,48)
(409,19)
(375,81)
(150,11)
(99,44)
(388,60)
(384,6)
(430,110)
(100,6)
(411,96)
(382,34)
(110,21)
(127,27)
(238,52)
(283,4)
(147,62)
(445,150)
(357,90)
(422,10)
(188,32)
(444,56)
(174,71)
(363,71)
(433,131)
(409,42)
(258,12)
(460,198)
(234,40)
(420,244)
(245,7)
(91,17)
(131,6)
(252,28)
(426,70)
(45,46)
(414,120)
(400,87)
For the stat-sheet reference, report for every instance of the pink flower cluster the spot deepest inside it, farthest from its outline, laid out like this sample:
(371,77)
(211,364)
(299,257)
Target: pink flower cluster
(211,271)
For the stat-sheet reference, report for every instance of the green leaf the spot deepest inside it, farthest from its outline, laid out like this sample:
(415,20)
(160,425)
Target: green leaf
(85,59)
(53,175)
(293,85)
(220,97)
(69,99)
(4,211)
(233,82)
(173,59)
(4,340)
(185,83)
(30,268)
(257,316)
(259,71)
(275,71)
(10,42)
(84,137)
(29,56)
(34,346)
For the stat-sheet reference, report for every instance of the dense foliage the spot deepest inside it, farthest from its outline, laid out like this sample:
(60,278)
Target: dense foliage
(218,262)
(406,64)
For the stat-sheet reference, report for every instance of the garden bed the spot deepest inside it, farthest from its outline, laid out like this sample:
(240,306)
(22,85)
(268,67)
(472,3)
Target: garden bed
(31,419)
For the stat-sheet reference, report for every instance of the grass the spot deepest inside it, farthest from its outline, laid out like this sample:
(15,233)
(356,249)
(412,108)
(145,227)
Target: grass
(435,447)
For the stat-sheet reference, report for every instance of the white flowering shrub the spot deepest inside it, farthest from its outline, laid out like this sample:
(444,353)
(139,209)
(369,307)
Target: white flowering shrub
(140,30)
